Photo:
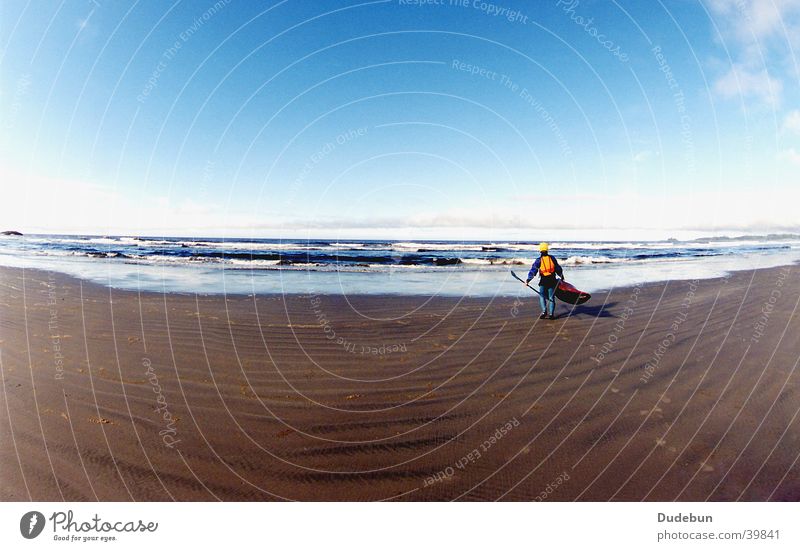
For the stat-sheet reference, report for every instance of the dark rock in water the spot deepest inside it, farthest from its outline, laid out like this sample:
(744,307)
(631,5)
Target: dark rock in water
(285,262)
(447,261)
(10,232)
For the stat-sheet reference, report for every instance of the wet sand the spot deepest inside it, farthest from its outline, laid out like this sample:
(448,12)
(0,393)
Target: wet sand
(669,391)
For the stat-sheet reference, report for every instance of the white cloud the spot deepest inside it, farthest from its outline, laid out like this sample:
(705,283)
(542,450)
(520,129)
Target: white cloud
(790,155)
(792,122)
(760,36)
(638,214)
(749,83)
(759,18)
(642,156)
(36,204)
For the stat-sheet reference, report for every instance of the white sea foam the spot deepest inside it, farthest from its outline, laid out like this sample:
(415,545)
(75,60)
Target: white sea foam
(253,263)
(496,261)
(579,260)
(485,275)
(414,247)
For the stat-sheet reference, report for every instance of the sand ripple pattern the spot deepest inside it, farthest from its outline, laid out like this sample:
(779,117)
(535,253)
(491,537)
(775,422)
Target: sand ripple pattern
(683,390)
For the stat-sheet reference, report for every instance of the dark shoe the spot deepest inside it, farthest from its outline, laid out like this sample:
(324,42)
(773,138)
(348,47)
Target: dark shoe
(552,316)
(544,315)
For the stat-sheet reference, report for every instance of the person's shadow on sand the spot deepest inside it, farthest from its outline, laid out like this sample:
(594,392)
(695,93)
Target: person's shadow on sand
(601,311)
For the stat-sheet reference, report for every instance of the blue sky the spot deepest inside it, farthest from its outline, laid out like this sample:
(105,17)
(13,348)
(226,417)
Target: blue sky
(450,119)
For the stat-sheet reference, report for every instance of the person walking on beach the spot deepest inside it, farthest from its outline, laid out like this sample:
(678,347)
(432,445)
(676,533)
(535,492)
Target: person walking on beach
(547,266)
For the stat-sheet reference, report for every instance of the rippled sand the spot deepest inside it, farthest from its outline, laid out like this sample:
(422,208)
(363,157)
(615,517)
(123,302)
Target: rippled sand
(665,391)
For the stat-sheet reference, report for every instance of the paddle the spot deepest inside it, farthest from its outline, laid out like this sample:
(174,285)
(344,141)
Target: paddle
(531,288)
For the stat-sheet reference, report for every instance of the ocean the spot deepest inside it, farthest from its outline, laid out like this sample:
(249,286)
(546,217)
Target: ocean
(452,268)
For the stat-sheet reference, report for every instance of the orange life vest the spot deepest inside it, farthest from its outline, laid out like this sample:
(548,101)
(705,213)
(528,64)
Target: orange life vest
(546,266)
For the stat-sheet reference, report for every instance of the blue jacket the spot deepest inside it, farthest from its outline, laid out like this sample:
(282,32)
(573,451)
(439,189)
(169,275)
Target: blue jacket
(537,263)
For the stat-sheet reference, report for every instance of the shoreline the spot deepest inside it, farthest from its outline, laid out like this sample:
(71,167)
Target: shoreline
(386,268)
(158,396)
(716,274)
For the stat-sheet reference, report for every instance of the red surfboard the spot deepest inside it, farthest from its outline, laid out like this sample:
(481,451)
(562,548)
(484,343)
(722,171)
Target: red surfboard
(567,293)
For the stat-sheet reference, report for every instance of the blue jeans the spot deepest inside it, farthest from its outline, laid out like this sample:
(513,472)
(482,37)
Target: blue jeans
(550,303)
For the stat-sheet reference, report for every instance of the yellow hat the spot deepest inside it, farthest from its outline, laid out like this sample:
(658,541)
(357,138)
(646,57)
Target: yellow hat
(543,247)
